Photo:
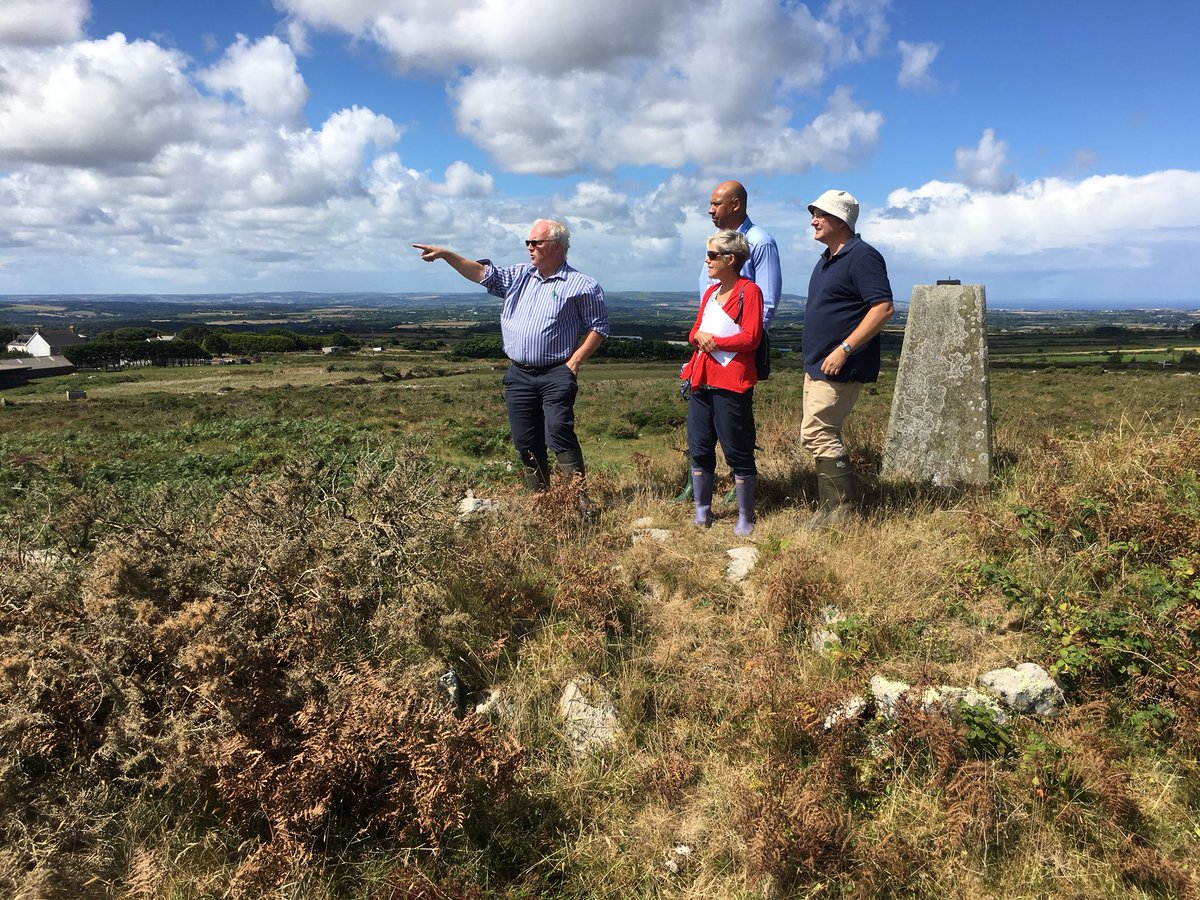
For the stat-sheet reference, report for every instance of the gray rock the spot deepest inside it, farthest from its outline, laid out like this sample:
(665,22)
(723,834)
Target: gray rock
(587,710)
(946,699)
(1027,689)
(493,705)
(451,690)
(471,507)
(658,535)
(825,639)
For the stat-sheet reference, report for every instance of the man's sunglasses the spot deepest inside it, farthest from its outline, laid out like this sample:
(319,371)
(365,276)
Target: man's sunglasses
(538,243)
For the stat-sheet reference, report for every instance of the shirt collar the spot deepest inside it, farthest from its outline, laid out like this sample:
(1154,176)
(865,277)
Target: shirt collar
(560,274)
(854,239)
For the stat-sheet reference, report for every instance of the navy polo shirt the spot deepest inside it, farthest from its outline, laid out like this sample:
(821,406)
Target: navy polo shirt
(841,290)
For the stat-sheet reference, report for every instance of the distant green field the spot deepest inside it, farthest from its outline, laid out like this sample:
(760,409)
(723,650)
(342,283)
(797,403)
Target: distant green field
(226,422)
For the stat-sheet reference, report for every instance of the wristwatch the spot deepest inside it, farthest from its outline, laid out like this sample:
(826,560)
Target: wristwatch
(846,346)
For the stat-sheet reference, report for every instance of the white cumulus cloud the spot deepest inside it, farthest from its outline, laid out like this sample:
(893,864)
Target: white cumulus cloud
(264,76)
(1106,229)
(119,167)
(95,103)
(982,166)
(714,83)
(463,181)
(41,22)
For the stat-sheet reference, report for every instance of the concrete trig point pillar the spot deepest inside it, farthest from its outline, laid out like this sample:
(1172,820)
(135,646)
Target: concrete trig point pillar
(941,424)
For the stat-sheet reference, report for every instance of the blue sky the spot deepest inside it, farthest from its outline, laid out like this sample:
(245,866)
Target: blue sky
(1050,151)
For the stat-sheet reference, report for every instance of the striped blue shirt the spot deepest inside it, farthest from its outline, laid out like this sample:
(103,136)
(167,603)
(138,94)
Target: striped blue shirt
(542,317)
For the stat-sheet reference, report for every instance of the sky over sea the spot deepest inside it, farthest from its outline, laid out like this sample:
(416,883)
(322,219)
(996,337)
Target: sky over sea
(1050,151)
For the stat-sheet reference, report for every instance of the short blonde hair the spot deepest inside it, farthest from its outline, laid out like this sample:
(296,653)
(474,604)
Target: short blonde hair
(734,242)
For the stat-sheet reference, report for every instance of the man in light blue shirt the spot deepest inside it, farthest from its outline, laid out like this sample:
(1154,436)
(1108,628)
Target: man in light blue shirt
(727,209)
(547,304)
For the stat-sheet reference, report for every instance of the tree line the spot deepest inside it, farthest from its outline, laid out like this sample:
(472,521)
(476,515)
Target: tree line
(133,346)
(492,347)
(221,342)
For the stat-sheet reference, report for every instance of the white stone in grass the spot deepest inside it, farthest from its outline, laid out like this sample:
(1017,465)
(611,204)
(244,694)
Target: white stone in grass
(591,720)
(846,711)
(493,705)
(741,563)
(471,506)
(678,858)
(887,694)
(823,640)
(658,535)
(946,699)
(1027,689)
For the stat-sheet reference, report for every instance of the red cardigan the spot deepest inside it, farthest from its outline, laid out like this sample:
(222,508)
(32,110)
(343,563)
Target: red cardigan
(740,375)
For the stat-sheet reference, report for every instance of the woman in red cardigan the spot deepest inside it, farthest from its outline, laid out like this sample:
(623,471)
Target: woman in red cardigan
(722,375)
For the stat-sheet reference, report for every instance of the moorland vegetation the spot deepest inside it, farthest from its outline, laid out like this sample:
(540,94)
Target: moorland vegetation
(227,596)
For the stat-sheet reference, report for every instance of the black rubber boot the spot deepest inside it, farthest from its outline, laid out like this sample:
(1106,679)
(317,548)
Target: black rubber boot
(570,464)
(537,477)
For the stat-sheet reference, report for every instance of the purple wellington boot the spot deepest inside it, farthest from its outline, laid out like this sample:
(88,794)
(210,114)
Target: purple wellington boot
(743,485)
(702,491)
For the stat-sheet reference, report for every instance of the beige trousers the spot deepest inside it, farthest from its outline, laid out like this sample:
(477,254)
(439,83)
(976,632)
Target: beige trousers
(826,405)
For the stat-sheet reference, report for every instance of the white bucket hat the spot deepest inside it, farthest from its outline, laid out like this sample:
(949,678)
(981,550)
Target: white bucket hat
(837,203)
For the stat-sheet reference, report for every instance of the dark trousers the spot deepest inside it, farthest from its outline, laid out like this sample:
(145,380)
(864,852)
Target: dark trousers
(727,416)
(541,411)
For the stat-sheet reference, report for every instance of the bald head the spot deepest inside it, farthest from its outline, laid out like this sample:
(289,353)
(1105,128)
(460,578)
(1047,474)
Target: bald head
(727,206)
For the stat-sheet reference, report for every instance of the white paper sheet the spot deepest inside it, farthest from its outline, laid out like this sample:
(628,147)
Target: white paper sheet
(718,322)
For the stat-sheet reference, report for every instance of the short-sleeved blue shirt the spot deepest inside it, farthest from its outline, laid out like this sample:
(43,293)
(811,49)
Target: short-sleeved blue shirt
(840,292)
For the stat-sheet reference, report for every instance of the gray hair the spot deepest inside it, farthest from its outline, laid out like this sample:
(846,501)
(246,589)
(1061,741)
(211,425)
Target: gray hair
(730,241)
(557,231)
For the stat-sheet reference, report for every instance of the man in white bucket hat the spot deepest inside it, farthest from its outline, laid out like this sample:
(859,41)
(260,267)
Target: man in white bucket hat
(849,302)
